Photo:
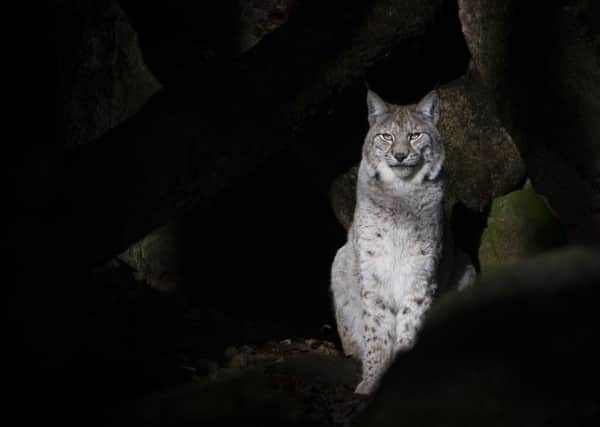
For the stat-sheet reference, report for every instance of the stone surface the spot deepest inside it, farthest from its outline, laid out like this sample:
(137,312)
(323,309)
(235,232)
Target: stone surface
(156,258)
(542,67)
(244,397)
(469,12)
(104,77)
(342,195)
(260,17)
(519,349)
(292,382)
(482,161)
(520,224)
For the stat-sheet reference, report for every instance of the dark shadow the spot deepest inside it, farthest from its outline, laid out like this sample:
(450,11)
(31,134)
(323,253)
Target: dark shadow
(416,68)
(539,94)
(256,259)
(181,38)
(467,226)
(261,254)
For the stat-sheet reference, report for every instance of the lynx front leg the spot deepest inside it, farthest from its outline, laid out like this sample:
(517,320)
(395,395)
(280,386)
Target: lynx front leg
(464,270)
(410,317)
(379,325)
(348,310)
(344,325)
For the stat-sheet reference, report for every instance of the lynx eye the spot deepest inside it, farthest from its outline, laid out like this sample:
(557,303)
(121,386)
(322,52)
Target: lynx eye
(386,137)
(415,135)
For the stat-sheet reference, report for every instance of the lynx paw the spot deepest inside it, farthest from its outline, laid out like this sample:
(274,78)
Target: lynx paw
(350,349)
(348,344)
(365,387)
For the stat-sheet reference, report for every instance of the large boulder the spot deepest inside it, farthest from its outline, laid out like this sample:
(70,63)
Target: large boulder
(260,17)
(342,195)
(520,349)
(520,224)
(156,258)
(541,66)
(482,161)
(290,383)
(104,77)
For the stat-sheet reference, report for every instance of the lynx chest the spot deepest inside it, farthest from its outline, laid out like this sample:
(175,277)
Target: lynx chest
(401,257)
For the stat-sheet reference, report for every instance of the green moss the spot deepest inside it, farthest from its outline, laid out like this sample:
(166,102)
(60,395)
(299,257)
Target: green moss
(520,224)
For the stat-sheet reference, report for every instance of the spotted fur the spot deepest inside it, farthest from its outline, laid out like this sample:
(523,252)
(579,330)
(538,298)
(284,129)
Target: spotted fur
(386,275)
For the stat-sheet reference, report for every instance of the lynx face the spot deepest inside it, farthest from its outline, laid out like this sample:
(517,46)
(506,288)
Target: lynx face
(403,139)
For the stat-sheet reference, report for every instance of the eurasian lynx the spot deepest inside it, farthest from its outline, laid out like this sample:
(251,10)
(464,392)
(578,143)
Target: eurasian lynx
(385,276)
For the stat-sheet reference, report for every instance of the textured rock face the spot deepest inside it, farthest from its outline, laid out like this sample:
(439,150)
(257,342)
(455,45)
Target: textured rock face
(486,27)
(525,334)
(482,162)
(342,195)
(156,258)
(260,17)
(105,79)
(520,225)
(469,12)
(542,68)
(575,128)
(290,383)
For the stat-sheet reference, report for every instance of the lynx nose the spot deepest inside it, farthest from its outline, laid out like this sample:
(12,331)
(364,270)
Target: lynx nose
(400,155)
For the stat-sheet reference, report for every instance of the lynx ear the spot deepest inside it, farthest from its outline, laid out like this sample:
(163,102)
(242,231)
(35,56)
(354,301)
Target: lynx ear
(376,106)
(429,106)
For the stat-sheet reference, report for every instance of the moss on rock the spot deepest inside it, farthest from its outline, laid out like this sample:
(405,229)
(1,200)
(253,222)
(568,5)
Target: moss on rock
(520,224)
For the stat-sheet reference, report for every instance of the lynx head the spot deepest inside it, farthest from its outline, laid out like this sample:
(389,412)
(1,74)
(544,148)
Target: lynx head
(403,142)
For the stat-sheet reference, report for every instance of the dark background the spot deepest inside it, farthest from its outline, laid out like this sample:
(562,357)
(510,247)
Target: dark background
(258,232)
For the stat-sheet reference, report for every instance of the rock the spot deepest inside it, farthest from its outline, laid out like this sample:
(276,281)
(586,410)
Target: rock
(520,349)
(156,258)
(292,389)
(240,358)
(260,17)
(520,224)
(482,162)
(469,12)
(542,68)
(245,398)
(204,368)
(105,79)
(342,195)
